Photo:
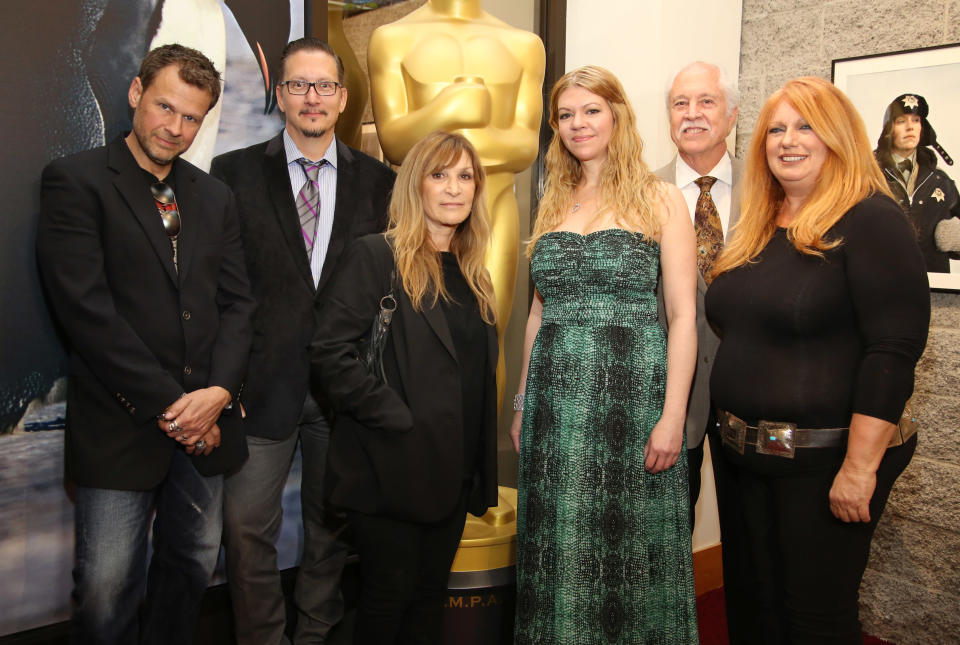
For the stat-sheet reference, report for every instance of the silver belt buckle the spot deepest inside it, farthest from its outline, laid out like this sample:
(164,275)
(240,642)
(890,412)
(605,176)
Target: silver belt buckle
(777,438)
(733,432)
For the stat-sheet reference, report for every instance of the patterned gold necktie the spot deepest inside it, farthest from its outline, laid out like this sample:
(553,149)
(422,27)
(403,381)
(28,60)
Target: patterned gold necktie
(706,221)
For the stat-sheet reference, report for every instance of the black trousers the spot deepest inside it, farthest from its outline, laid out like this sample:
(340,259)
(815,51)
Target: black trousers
(792,570)
(404,568)
(694,463)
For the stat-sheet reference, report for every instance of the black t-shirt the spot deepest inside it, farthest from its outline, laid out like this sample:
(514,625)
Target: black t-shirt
(811,340)
(149,179)
(470,342)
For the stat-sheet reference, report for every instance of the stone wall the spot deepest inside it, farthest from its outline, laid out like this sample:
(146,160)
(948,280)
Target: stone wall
(911,591)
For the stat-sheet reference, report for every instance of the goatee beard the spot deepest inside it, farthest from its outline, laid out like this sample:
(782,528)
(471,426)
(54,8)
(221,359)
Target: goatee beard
(316,134)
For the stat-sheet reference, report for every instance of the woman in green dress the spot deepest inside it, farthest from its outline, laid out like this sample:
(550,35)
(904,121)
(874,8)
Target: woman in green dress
(604,551)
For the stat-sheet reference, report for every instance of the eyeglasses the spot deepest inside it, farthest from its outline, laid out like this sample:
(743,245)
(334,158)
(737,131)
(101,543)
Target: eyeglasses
(167,205)
(322,88)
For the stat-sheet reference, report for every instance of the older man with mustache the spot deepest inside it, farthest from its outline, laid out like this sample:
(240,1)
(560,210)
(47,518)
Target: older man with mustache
(702,106)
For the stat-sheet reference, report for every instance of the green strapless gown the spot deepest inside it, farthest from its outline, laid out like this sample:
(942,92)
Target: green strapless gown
(603,546)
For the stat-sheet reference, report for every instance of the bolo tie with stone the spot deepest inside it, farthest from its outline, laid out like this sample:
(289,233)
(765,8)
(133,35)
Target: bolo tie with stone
(169,213)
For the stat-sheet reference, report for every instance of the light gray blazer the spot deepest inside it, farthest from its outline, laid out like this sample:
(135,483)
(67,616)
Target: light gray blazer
(698,406)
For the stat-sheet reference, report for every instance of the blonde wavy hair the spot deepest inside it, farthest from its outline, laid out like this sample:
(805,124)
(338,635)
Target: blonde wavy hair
(418,262)
(626,184)
(849,175)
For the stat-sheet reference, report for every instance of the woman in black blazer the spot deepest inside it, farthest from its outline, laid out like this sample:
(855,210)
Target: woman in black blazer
(410,457)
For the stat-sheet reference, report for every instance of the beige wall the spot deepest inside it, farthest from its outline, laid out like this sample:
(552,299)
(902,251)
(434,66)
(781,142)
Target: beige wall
(911,591)
(644,44)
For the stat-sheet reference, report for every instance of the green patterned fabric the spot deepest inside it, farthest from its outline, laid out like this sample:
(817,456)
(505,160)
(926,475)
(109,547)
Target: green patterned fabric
(603,546)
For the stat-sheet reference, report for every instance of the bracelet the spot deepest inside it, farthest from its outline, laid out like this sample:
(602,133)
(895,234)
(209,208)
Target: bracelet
(518,402)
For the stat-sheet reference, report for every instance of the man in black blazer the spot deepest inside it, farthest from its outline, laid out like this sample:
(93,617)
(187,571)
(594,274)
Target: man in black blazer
(141,256)
(296,218)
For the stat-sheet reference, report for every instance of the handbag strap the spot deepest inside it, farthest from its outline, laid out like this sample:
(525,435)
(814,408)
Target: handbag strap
(385,316)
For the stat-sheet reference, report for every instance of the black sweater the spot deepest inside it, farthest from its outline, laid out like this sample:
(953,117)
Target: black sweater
(812,340)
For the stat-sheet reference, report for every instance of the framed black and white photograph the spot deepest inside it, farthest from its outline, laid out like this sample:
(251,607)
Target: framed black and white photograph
(913,82)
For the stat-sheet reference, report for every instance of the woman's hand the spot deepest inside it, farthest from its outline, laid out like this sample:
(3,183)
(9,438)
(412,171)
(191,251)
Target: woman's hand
(678,263)
(851,493)
(857,479)
(664,445)
(515,429)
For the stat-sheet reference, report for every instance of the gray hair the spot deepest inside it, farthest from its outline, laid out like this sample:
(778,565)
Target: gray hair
(728,87)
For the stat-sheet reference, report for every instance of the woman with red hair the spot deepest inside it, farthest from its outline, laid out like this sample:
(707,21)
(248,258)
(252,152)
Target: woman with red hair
(822,306)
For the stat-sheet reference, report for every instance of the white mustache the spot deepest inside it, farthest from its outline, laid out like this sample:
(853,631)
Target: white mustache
(696,123)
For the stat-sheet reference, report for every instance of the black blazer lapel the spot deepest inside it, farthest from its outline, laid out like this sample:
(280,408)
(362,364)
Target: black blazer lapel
(411,339)
(284,206)
(348,187)
(438,323)
(141,203)
(191,206)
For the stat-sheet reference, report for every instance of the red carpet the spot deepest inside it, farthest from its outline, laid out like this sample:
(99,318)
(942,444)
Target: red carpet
(712,617)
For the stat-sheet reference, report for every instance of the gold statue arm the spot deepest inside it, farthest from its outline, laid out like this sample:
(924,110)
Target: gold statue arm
(513,149)
(464,104)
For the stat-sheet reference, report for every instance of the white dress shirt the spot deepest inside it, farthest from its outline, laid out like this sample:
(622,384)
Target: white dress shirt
(721,192)
(327,181)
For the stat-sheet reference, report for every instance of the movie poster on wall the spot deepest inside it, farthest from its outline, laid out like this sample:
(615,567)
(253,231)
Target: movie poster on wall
(67,67)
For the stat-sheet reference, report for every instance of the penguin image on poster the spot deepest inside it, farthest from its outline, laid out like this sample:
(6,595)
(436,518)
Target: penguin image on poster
(67,67)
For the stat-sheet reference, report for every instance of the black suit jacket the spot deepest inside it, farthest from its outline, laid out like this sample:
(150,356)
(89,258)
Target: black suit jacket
(397,449)
(279,269)
(140,333)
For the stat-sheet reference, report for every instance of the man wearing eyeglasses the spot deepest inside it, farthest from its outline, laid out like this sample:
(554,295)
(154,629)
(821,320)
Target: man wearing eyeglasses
(142,260)
(303,196)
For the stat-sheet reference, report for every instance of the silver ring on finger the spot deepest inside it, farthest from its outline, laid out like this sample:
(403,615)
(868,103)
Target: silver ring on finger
(200,445)
(182,437)
(174,426)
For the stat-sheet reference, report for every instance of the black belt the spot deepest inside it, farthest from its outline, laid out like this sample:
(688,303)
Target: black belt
(776,437)
(782,438)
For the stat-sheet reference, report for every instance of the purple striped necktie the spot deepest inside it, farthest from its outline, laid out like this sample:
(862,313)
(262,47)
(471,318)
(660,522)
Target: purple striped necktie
(308,202)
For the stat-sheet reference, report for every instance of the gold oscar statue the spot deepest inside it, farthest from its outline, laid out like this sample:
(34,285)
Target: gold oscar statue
(451,66)
(351,119)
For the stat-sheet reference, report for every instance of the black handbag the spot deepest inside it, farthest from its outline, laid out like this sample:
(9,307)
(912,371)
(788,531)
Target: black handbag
(370,350)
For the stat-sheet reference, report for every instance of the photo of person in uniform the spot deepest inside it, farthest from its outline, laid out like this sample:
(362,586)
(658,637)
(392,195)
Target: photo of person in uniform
(926,194)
